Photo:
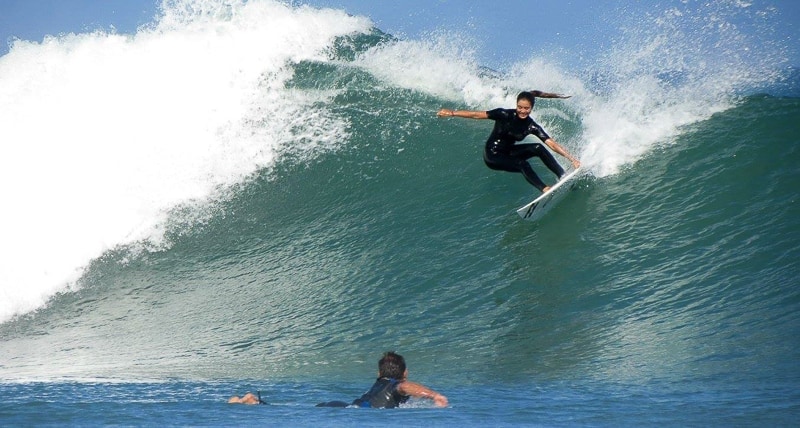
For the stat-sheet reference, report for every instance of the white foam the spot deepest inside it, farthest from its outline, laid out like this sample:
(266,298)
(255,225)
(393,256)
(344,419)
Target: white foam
(106,133)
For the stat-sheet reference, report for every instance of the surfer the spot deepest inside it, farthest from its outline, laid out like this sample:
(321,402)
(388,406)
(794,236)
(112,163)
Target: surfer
(513,125)
(392,387)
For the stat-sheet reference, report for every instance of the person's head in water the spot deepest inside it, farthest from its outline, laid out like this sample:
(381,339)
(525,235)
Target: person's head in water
(392,365)
(525,101)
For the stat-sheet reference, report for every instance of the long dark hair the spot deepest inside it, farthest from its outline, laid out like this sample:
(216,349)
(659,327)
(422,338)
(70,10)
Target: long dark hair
(532,95)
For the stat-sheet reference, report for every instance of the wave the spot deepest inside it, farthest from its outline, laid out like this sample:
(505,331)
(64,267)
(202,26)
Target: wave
(111,133)
(117,144)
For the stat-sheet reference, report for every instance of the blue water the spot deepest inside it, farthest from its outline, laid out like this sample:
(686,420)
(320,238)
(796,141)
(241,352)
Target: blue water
(548,404)
(206,214)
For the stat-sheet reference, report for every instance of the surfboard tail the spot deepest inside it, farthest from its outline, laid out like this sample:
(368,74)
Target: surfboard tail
(539,206)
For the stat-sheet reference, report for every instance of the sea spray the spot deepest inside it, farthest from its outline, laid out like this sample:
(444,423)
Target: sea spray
(670,68)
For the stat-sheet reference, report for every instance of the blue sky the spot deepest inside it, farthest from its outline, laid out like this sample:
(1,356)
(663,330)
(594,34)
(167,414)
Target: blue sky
(501,31)
(33,19)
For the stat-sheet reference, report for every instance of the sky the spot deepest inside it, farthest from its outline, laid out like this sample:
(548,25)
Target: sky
(523,27)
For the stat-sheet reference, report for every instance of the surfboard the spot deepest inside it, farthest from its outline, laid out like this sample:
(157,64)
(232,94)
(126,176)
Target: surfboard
(541,205)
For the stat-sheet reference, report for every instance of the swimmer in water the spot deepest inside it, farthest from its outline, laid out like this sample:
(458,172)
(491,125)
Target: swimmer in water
(392,387)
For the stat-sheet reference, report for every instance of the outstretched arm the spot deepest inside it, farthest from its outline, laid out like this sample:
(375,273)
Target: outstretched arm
(540,94)
(562,151)
(462,113)
(416,390)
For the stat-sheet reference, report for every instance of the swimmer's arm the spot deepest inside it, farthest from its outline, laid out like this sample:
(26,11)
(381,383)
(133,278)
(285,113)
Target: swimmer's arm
(248,398)
(462,113)
(540,94)
(416,390)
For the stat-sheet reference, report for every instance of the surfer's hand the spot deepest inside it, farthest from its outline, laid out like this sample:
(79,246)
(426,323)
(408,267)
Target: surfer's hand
(576,163)
(445,113)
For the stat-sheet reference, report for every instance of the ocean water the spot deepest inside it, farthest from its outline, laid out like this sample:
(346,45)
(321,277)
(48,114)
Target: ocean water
(233,199)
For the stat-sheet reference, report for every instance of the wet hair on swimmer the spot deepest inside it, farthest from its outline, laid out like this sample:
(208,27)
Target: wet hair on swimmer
(392,365)
(525,95)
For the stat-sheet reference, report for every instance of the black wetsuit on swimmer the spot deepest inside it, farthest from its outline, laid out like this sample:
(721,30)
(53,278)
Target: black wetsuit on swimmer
(382,395)
(503,154)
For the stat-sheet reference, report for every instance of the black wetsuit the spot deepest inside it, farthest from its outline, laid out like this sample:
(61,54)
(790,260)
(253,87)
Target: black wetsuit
(382,395)
(503,154)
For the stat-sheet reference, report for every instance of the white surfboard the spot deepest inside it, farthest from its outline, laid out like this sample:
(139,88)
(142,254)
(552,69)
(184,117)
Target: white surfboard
(541,205)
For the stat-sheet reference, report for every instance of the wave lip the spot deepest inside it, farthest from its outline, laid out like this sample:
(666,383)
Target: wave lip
(108,134)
